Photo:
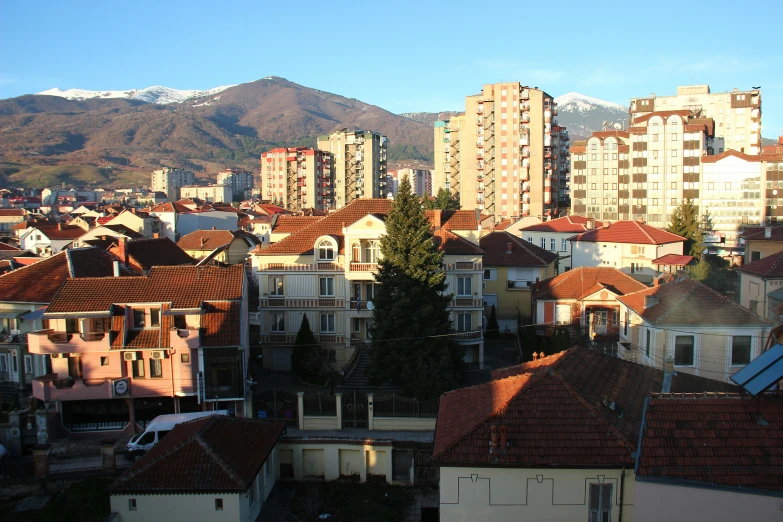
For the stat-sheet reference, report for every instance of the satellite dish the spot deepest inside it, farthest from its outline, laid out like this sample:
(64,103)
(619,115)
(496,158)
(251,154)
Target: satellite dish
(604,123)
(370,306)
(617,126)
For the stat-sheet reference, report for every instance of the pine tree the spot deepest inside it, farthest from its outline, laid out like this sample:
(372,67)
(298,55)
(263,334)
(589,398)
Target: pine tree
(442,201)
(493,328)
(685,223)
(305,352)
(411,345)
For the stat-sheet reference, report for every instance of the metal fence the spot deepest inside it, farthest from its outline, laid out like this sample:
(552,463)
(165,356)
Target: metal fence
(393,405)
(319,405)
(121,461)
(277,405)
(74,464)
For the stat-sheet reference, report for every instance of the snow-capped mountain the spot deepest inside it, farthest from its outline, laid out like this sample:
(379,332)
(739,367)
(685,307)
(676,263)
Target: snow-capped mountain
(154,94)
(582,115)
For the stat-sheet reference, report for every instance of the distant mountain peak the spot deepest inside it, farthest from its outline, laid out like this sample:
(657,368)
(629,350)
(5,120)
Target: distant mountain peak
(153,94)
(581,102)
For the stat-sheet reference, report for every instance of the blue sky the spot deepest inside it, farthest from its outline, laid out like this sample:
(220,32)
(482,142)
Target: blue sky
(403,56)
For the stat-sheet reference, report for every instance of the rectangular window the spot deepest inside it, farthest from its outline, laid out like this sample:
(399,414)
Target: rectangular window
(156,368)
(740,350)
(464,286)
(131,504)
(563,245)
(562,314)
(138,368)
(277,322)
(552,244)
(138,319)
(357,325)
(490,274)
(327,323)
(28,364)
(464,322)
(276,286)
(683,350)
(155,317)
(647,344)
(184,358)
(530,240)
(72,326)
(104,361)
(625,327)
(600,502)
(218,504)
(543,243)
(326,286)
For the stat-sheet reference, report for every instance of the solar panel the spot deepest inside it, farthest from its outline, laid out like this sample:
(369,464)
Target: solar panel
(762,372)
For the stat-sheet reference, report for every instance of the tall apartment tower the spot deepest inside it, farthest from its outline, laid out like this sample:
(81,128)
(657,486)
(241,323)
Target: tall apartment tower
(737,114)
(170,181)
(644,172)
(240,181)
(297,178)
(502,155)
(420,180)
(359,164)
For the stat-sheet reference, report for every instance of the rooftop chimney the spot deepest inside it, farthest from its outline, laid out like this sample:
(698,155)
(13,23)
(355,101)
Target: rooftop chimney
(590,225)
(59,226)
(213,228)
(493,440)
(606,224)
(650,300)
(503,438)
(767,232)
(437,216)
(640,220)
(122,250)
(508,247)
(116,266)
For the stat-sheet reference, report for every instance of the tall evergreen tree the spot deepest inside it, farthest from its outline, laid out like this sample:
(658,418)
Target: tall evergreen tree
(411,345)
(442,201)
(685,223)
(305,352)
(493,328)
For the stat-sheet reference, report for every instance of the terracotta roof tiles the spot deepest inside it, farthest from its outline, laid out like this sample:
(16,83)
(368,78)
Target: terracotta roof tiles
(207,240)
(628,232)
(758,233)
(577,282)
(770,267)
(213,454)
(674,260)
(730,440)
(496,253)
(289,224)
(146,253)
(452,244)
(569,224)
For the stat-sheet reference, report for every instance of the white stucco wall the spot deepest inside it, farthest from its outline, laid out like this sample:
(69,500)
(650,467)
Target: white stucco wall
(664,503)
(176,508)
(507,494)
(188,223)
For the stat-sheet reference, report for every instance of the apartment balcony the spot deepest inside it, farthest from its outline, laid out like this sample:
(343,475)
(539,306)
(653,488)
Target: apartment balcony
(547,154)
(470,337)
(465,265)
(524,94)
(53,388)
(524,106)
(524,140)
(466,302)
(525,117)
(480,108)
(49,341)
(548,165)
(289,302)
(479,120)
(480,165)
(524,152)
(480,190)
(293,267)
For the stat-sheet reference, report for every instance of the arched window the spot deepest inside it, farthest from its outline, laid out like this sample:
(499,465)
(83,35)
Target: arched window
(372,250)
(325,251)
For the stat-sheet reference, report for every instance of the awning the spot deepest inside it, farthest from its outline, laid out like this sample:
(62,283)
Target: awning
(185,311)
(6,313)
(79,315)
(34,315)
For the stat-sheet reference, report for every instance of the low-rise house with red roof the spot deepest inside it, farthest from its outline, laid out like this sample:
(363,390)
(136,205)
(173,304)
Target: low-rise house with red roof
(511,267)
(24,294)
(585,299)
(629,246)
(215,468)
(284,225)
(49,238)
(145,224)
(168,214)
(553,235)
(551,439)
(709,457)
(126,349)
(140,255)
(691,325)
(207,218)
(325,269)
(109,231)
(10,217)
(223,246)
(761,242)
(758,279)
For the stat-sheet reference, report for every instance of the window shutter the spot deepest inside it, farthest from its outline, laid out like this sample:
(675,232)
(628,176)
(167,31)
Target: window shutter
(549,313)
(595,501)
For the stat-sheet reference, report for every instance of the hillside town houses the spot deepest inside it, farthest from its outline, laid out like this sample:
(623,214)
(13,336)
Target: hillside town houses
(610,370)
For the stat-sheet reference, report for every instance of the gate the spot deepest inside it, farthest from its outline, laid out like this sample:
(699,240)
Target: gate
(354,410)
(277,405)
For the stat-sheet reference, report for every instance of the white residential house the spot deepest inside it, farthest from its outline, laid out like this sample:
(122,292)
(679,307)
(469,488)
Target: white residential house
(554,235)
(759,279)
(49,239)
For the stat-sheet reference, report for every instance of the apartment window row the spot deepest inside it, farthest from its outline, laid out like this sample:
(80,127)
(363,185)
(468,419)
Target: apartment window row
(327,322)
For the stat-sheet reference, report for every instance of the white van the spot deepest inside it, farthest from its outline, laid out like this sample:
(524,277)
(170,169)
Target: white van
(159,427)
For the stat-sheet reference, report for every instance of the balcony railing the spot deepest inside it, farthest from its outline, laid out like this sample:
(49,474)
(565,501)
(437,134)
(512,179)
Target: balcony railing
(464,265)
(363,267)
(282,302)
(474,334)
(50,341)
(292,267)
(467,302)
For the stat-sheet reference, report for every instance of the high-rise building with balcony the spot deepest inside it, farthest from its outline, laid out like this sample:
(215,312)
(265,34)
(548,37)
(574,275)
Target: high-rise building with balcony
(502,156)
(644,172)
(170,181)
(297,178)
(240,181)
(737,114)
(420,180)
(359,160)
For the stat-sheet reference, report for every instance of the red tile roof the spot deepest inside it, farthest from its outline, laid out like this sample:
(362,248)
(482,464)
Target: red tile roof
(570,224)
(207,240)
(450,243)
(616,388)
(104,220)
(60,231)
(503,224)
(271,209)
(496,253)
(170,207)
(454,219)
(663,114)
(757,233)
(6,246)
(674,260)
(182,286)
(726,440)
(12,212)
(289,224)
(547,423)
(768,267)
(629,232)
(125,231)
(732,153)
(213,454)
(688,302)
(577,282)
(40,281)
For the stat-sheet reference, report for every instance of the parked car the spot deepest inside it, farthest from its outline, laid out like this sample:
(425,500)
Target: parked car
(159,427)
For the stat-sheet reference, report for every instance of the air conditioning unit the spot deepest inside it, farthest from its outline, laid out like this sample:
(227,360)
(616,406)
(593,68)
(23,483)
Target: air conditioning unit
(158,354)
(129,356)
(57,356)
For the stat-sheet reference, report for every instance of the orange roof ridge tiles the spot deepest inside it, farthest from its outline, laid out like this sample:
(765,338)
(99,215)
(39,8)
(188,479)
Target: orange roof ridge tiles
(770,266)
(673,259)
(640,227)
(525,367)
(628,231)
(205,239)
(568,224)
(563,286)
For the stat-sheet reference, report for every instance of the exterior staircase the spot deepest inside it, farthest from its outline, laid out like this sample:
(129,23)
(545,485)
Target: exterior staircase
(357,378)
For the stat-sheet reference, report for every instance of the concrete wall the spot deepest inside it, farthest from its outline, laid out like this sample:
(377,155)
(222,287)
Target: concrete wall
(659,503)
(500,494)
(320,423)
(184,508)
(400,423)
(330,459)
